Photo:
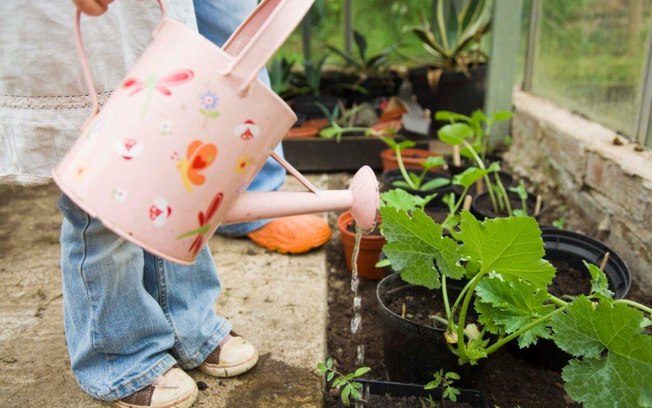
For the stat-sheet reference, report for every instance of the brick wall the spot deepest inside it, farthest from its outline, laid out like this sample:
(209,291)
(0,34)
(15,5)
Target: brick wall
(609,183)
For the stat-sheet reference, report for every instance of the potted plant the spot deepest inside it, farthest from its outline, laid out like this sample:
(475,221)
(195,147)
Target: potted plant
(504,297)
(371,245)
(455,76)
(369,75)
(422,182)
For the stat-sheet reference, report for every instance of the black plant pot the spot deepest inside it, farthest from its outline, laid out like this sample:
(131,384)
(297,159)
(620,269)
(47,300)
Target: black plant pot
(455,91)
(305,105)
(413,352)
(481,205)
(473,398)
(573,248)
(389,177)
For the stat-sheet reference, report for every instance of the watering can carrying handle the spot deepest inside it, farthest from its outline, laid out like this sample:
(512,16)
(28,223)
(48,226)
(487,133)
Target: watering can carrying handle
(86,71)
(260,36)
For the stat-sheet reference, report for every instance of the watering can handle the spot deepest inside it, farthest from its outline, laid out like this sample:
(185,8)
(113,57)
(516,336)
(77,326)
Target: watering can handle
(260,36)
(88,76)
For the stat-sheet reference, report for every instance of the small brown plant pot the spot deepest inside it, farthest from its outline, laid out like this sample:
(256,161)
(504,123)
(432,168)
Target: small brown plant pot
(412,159)
(370,248)
(302,132)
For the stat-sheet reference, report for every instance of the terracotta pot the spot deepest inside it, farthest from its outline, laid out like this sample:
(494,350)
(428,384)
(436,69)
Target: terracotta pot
(412,159)
(385,127)
(302,132)
(370,248)
(318,123)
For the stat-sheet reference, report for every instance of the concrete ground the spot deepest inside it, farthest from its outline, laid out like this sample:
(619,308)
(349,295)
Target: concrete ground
(277,301)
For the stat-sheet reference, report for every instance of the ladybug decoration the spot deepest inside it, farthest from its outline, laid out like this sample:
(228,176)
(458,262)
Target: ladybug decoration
(128,148)
(247,130)
(159,211)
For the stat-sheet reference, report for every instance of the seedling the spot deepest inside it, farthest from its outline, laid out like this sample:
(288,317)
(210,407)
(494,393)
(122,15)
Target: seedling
(522,195)
(349,388)
(342,124)
(559,223)
(446,382)
(365,65)
(416,181)
(472,132)
(402,200)
(502,259)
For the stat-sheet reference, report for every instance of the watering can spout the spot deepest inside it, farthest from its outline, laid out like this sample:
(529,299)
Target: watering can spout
(361,198)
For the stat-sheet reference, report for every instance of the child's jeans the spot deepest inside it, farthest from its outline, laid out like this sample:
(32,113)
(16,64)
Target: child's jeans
(216,20)
(127,312)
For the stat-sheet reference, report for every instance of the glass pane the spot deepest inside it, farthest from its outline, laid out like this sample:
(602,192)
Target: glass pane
(590,58)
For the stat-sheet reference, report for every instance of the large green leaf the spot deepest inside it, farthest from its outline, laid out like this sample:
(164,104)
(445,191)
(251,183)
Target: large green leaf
(511,247)
(599,282)
(455,133)
(510,306)
(415,247)
(616,365)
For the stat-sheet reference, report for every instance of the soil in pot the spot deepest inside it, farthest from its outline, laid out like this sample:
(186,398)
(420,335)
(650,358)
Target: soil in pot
(387,401)
(481,206)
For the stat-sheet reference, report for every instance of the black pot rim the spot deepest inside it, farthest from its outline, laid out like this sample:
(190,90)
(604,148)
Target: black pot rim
(531,198)
(580,245)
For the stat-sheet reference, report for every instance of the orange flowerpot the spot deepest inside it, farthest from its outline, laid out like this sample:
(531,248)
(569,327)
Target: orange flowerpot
(302,132)
(412,159)
(370,248)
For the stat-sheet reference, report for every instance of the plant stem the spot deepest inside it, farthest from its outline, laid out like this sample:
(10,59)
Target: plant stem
(522,330)
(504,194)
(444,293)
(486,178)
(460,323)
(557,301)
(401,167)
(634,304)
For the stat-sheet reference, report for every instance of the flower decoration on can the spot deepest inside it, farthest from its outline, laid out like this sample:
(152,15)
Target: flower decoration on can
(119,195)
(165,127)
(128,148)
(208,102)
(243,163)
(200,233)
(247,130)
(159,211)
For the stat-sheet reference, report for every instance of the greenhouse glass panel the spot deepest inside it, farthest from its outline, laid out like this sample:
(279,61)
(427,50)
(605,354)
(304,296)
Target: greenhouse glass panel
(590,58)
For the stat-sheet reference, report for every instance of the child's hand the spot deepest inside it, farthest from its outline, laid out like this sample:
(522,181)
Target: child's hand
(92,7)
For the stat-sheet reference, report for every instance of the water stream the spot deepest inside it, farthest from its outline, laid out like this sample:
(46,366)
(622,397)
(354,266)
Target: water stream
(356,320)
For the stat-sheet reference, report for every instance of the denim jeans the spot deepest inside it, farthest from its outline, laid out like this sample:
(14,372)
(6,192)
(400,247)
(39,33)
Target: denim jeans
(216,20)
(129,316)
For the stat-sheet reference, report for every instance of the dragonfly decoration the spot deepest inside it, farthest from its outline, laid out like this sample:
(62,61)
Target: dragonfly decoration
(204,226)
(153,83)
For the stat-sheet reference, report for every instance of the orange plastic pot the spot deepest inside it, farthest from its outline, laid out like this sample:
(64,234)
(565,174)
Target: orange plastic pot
(302,132)
(370,248)
(412,159)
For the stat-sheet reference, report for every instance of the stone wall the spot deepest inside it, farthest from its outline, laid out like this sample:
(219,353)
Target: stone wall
(599,173)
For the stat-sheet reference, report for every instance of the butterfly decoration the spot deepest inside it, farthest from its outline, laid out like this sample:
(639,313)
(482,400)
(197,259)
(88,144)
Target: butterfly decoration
(155,83)
(199,157)
(204,226)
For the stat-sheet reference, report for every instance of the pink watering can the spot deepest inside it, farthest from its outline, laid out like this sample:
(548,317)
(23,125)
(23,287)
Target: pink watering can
(170,155)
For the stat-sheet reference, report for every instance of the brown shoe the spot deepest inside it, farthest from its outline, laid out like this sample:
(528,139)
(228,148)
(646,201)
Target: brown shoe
(236,356)
(174,389)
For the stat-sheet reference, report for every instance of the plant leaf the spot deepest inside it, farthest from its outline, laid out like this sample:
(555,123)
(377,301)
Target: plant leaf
(455,133)
(511,247)
(599,282)
(361,371)
(401,200)
(469,176)
(616,367)
(435,183)
(330,376)
(451,116)
(415,247)
(512,305)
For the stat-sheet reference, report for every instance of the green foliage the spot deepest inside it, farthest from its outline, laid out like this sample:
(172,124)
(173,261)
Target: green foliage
(364,64)
(350,389)
(454,42)
(417,248)
(404,201)
(416,181)
(446,381)
(280,75)
(615,368)
(508,280)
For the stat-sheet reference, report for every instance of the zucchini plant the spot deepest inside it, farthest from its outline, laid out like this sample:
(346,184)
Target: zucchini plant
(507,282)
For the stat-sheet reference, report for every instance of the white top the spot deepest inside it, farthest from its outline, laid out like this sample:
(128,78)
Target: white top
(43,99)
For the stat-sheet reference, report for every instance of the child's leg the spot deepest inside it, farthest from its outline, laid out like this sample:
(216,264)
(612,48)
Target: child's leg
(187,294)
(118,337)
